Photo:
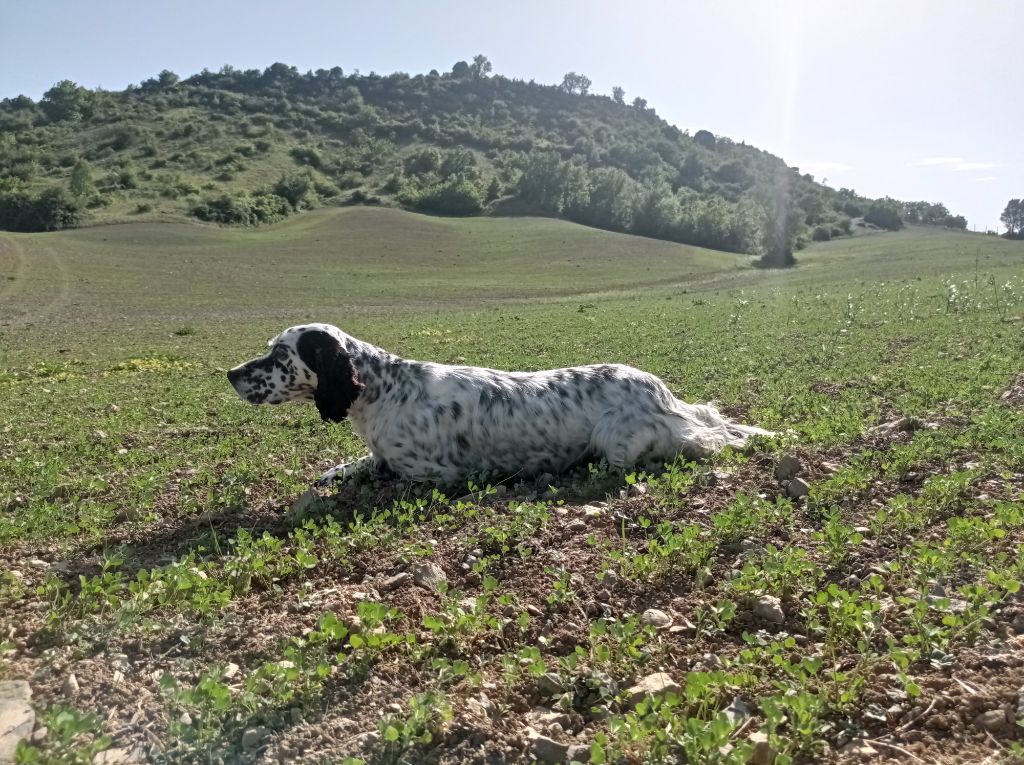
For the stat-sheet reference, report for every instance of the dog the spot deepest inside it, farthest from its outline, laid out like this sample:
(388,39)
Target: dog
(433,422)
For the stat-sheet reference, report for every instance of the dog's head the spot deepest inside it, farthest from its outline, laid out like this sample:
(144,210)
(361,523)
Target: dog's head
(307,362)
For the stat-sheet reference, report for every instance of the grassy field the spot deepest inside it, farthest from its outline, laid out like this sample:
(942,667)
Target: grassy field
(149,545)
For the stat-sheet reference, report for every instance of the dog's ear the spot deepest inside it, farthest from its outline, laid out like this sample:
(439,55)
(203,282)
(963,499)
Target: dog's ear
(337,383)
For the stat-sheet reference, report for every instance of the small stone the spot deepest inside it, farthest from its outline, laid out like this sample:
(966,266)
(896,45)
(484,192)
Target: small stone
(658,684)
(797,488)
(230,670)
(860,749)
(185,719)
(252,738)
(366,740)
(655,618)
(545,749)
(70,685)
(737,711)
(308,499)
(578,753)
(396,581)
(550,684)
(39,735)
(576,526)
(764,753)
(592,511)
(637,489)
(787,467)
(769,608)
(117,756)
(16,716)
(428,575)
(685,627)
(993,720)
(394,708)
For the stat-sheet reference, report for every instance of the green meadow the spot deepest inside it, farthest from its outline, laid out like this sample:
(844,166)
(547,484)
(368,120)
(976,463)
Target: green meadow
(153,543)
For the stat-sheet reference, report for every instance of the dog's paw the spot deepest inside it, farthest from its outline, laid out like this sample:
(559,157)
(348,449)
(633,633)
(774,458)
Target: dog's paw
(335,474)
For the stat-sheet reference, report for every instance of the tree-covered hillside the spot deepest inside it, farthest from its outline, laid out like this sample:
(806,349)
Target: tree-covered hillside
(245,147)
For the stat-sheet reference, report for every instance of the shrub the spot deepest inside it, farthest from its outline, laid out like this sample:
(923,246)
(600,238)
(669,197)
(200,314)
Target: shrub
(306,155)
(51,210)
(821,234)
(454,197)
(242,210)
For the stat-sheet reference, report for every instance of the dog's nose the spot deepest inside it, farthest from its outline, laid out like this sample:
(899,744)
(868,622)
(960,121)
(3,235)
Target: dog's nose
(233,375)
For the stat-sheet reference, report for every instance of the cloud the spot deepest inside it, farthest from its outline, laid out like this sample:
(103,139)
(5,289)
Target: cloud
(956,163)
(984,178)
(938,161)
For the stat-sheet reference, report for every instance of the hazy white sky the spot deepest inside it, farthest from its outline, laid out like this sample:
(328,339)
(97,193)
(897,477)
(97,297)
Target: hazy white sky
(919,99)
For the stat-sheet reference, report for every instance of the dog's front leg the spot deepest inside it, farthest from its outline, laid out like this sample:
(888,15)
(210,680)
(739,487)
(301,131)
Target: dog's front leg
(357,468)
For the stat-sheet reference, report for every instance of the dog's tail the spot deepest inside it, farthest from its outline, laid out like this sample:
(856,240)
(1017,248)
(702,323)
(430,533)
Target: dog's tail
(703,430)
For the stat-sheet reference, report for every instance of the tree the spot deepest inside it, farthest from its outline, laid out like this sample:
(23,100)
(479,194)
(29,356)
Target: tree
(706,139)
(1013,219)
(67,101)
(618,95)
(639,103)
(461,70)
(167,78)
(576,83)
(885,213)
(480,67)
(781,222)
(81,179)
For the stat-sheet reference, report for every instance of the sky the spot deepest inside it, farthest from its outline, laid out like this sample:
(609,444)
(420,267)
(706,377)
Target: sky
(915,99)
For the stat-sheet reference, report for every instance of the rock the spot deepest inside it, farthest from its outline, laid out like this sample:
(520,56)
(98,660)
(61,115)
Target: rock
(252,738)
(230,670)
(576,526)
(70,686)
(308,499)
(737,711)
(428,575)
(185,719)
(859,749)
(545,749)
(366,740)
(764,753)
(993,720)
(685,627)
(637,489)
(797,488)
(550,684)
(39,735)
(769,608)
(578,753)
(16,717)
(659,684)
(657,619)
(787,467)
(592,511)
(546,718)
(117,756)
(396,581)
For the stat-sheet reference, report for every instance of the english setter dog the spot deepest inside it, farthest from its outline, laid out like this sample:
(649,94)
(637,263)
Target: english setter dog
(440,423)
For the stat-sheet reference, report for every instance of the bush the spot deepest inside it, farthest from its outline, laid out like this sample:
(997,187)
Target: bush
(242,210)
(885,213)
(306,155)
(821,234)
(454,197)
(52,210)
(297,188)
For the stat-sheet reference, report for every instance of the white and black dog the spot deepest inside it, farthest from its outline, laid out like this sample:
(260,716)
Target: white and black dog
(441,423)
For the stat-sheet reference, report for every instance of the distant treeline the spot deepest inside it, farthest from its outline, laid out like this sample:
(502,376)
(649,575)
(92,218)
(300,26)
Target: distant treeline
(244,147)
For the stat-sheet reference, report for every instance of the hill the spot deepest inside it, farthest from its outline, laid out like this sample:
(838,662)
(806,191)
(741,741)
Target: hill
(246,147)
